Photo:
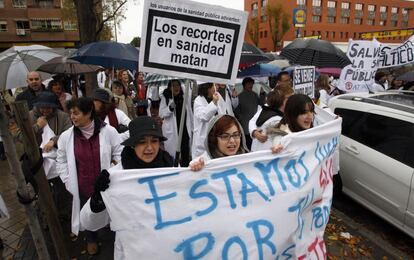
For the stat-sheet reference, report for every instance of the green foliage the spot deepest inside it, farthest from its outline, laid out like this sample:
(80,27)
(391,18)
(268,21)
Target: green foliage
(278,23)
(253,30)
(136,42)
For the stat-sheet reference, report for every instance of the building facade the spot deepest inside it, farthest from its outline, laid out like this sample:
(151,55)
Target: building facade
(26,22)
(337,21)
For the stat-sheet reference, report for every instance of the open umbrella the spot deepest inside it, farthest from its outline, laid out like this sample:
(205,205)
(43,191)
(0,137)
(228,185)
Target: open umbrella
(108,54)
(63,65)
(259,70)
(315,52)
(281,63)
(335,72)
(158,80)
(17,61)
(408,76)
(250,54)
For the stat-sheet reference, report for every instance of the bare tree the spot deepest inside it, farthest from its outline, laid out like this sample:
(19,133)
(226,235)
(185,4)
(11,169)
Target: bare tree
(278,23)
(253,30)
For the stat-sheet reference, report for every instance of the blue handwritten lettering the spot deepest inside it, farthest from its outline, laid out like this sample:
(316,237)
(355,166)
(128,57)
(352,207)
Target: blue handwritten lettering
(265,171)
(228,244)
(188,249)
(195,195)
(225,176)
(157,199)
(261,240)
(299,207)
(289,167)
(253,188)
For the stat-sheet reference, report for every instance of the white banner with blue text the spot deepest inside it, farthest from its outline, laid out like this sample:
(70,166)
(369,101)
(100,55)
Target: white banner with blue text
(250,206)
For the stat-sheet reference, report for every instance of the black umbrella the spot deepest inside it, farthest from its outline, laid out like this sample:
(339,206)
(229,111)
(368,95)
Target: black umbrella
(315,52)
(250,54)
(408,76)
(64,65)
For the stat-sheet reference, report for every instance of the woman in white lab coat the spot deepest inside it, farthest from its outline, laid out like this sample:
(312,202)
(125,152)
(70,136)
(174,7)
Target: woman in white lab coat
(205,108)
(172,101)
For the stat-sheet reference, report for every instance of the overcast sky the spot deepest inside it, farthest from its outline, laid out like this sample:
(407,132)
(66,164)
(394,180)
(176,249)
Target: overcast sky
(131,26)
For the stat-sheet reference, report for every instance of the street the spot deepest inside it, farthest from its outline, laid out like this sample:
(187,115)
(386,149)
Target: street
(374,237)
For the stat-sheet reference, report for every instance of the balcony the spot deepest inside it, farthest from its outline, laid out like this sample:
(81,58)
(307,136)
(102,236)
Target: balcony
(316,10)
(383,16)
(345,12)
(254,13)
(394,17)
(21,32)
(331,11)
(371,15)
(405,17)
(358,13)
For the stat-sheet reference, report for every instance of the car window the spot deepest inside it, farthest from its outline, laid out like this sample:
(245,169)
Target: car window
(390,136)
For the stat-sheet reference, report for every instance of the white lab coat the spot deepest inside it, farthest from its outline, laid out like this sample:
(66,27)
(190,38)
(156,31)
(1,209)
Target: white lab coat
(377,87)
(110,150)
(203,113)
(170,127)
(123,119)
(256,145)
(229,104)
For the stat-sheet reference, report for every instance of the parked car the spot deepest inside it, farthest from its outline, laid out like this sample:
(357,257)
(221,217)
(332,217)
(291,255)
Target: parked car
(377,153)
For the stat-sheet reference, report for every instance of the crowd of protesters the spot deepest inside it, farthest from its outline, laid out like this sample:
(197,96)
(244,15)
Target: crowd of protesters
(121,127)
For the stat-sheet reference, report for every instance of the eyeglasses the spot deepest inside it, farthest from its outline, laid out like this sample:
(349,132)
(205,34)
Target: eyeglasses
(226,137)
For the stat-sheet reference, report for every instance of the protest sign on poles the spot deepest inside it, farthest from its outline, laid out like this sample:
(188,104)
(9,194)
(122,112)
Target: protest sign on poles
(192,40)
(304,80)
(250,206)
(369,56)
(359,75)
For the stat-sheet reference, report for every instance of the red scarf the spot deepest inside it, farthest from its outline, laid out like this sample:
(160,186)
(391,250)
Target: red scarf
(113,120)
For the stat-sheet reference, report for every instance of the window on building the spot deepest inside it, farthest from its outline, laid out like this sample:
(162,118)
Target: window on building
(394,10)
(316,18)
(264,3)
(301,2)
(359,7)
(70,26)
(331,4)
(382,23)
(394,23)
(346,35)
(1,3)
(3,26)
(355,36)
(371,21)
(342,35)
(345,5)
(255,8)
(19,3)
(358,21)
(404,24)
(43,3)
(318,33)
(316,2)
(383,9)
(333,34)
(24,24)
(46,24)
(261,34)
(263,18)
(331,19)
(326,35)
(345,20)
(404,10)
(371,8)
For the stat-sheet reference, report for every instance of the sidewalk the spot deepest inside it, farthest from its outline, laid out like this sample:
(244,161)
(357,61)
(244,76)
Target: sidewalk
(10,230)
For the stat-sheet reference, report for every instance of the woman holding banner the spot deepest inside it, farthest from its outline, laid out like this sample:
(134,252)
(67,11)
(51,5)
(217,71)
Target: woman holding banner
(298,116)
(141,151)
(269,114)
(225,138)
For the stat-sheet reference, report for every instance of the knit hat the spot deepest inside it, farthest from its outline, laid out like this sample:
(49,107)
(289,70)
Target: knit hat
(46,99)
(102,95)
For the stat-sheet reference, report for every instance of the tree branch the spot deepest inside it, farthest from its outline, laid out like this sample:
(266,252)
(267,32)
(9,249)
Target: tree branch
(110,17)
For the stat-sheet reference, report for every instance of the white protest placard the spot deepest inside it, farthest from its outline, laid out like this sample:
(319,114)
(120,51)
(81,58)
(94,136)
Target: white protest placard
(360,74)
(250,206)
(304,80)
(397,56)
(191,40)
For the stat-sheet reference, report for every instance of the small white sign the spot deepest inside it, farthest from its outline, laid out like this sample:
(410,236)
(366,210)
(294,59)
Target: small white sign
(192,40)
(304,80)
